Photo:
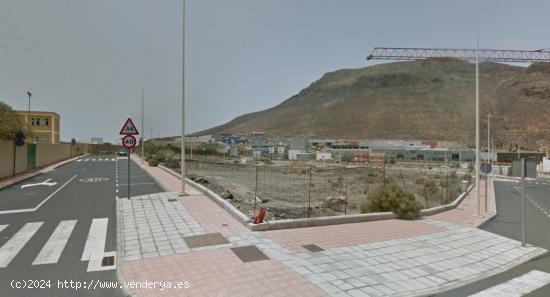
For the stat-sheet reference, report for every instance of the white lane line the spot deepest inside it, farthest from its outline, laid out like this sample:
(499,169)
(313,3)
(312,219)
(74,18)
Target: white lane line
(519,286)
(2,227)
(100,159)
(113,159)
(138,184)
(53,248)
(41,203)
(93,159)
(79,160)
(86,160)
(15,244)
(94,249)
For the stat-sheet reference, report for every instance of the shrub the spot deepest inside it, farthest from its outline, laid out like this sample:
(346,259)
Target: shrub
(154,160)
(391,197)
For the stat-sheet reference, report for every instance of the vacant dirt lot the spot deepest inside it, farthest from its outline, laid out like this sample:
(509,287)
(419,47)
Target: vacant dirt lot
(299,190)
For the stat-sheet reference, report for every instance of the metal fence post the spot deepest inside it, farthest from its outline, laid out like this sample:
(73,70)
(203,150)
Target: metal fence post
(255,190)
(309,194)
(346,179)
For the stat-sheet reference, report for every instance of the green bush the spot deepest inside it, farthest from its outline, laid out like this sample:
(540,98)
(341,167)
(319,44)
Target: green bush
(391,197)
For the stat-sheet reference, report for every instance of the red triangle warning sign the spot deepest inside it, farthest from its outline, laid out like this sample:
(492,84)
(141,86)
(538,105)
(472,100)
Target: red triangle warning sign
(129,128)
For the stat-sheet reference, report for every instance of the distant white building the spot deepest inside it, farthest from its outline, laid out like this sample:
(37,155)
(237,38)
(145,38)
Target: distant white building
(323,156)
(96,140)
(293,154)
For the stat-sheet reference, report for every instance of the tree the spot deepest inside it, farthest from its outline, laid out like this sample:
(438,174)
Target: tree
(10,122)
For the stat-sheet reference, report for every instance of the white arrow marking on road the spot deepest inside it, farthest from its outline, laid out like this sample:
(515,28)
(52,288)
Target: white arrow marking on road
(44,183)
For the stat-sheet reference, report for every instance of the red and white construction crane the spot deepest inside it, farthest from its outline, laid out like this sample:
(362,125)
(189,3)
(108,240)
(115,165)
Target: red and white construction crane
(495,55)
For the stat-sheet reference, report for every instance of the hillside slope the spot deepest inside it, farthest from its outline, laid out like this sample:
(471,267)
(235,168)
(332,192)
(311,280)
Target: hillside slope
(430,99)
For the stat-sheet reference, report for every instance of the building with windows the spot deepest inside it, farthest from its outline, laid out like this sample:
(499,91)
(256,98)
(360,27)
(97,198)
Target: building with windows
(44,126)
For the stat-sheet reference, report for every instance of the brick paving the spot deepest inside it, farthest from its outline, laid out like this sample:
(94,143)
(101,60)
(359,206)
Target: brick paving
(381,258)
(465,213)
(352,234)
(153,226)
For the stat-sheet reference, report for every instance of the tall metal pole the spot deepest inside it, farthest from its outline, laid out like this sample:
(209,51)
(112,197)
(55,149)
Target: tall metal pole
(183,193)
(478,201)
(30,94)
(129,153)
(487,161)
(142,122)
(523,174)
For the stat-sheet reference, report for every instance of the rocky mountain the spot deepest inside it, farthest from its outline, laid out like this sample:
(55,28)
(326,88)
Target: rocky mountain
(429,99)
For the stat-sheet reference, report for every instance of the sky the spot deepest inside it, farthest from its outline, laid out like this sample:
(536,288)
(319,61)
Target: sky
(89,60)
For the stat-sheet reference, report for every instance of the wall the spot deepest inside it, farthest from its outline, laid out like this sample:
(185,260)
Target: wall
(6,158)
(46,154)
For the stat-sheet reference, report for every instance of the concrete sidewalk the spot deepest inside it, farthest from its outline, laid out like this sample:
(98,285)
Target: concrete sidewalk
(167,238)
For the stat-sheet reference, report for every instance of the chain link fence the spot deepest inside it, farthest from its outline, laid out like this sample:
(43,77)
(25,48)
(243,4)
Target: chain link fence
(302,189)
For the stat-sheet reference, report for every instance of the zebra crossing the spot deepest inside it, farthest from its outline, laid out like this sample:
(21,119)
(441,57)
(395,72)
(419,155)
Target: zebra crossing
(96,160)
(51,251)
(519,286)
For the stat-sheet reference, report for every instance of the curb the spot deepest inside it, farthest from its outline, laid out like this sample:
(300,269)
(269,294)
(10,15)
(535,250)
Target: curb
(237,214)
(539,252)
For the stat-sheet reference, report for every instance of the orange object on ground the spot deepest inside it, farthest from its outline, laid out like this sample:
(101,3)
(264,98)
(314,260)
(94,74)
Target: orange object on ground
(261,216)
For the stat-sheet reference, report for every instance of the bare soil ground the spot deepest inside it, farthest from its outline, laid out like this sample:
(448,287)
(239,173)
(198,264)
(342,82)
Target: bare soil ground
(299,190)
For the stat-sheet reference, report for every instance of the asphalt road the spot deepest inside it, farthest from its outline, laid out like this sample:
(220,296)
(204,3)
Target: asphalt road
(44,229)
(508,223)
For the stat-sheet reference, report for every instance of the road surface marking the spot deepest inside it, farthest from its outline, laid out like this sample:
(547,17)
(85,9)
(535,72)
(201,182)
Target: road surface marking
(44,183)
(93,159)
(85,160)
(41,203)
(98,230)
(519,286)
(2,227)
(138,184)
(94,249)
(79,160)
(53,248)
(113,159)
(14,245)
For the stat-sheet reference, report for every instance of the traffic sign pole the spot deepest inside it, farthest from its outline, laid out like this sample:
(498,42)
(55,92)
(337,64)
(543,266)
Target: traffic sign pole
(129,141)
(129,151)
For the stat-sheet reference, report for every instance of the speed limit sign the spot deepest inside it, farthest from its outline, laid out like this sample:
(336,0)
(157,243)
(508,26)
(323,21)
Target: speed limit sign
(129,141)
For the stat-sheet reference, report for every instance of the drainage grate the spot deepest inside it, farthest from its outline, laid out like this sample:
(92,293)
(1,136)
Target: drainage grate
(249,253)
(313,248)
(108,261)
(196,241)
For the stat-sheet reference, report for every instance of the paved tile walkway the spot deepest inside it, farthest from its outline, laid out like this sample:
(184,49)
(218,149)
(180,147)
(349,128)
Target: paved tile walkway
(352,234)
(154,226)
(382,258)
(465,213)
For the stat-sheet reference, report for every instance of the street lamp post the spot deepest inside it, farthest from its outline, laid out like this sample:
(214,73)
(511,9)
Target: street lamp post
(142,122)
(182,165)
(478,200)
(30,94)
